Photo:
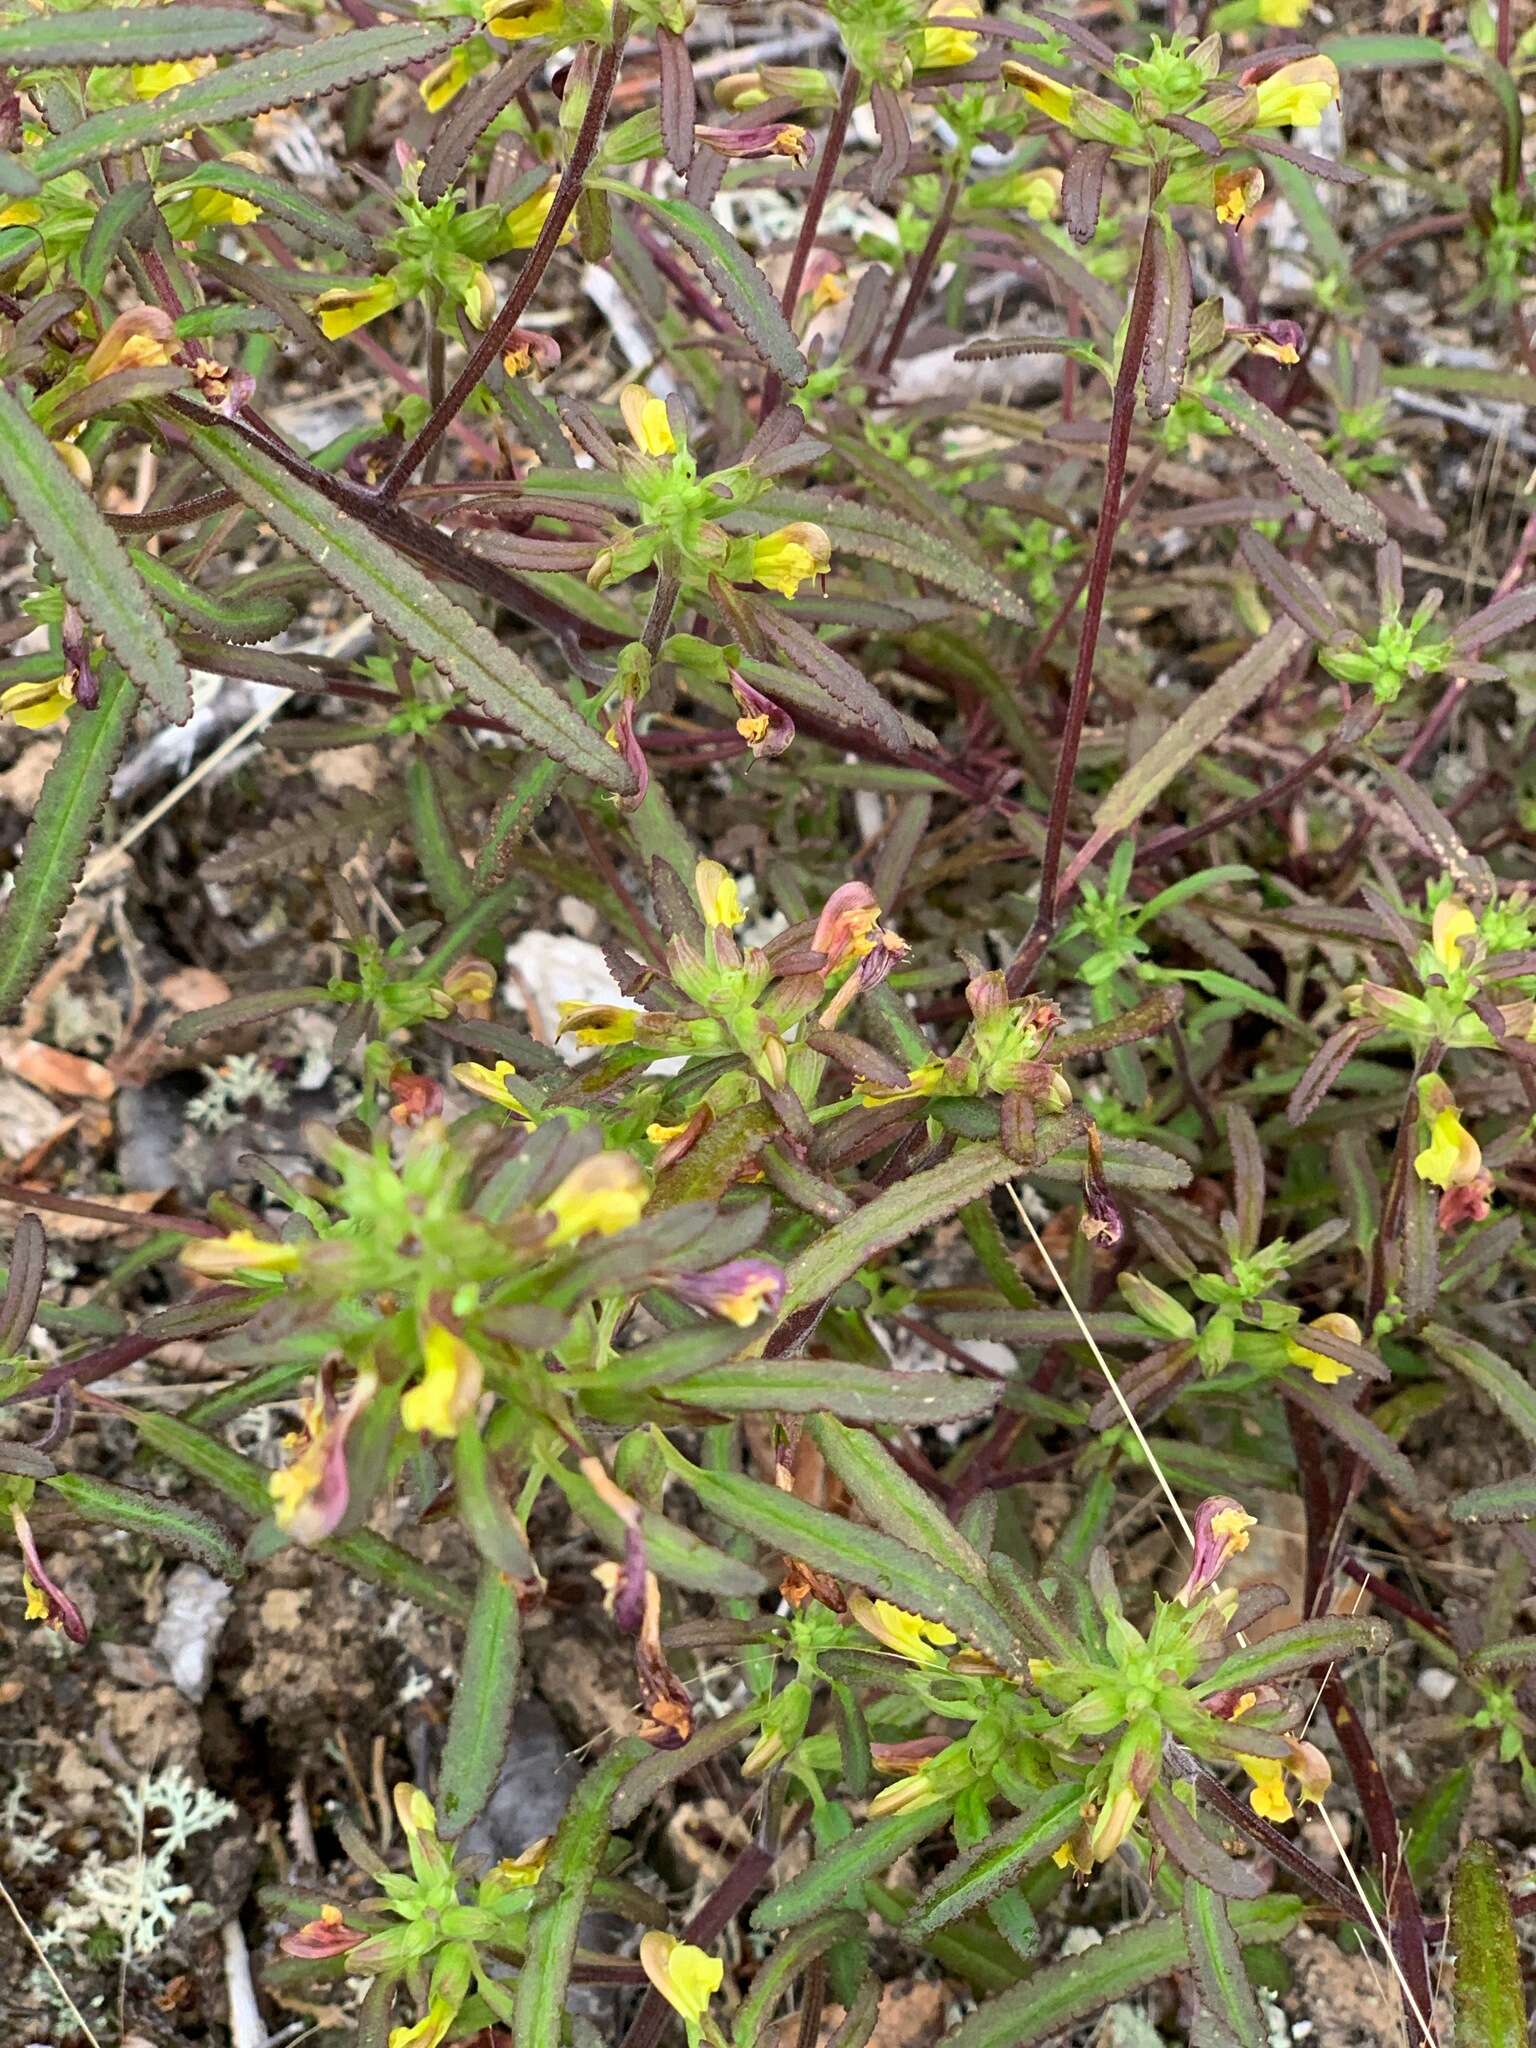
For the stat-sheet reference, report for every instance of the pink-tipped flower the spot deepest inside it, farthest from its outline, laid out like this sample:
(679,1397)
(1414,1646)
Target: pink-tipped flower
(311,1494)
(47,1602)
(1468,1203)
(1221,1532)
(847,920)
(764,138)
(1101,1223)
(625,741)
(1281,340)
(316,1939)
(739,1291)
(766,727)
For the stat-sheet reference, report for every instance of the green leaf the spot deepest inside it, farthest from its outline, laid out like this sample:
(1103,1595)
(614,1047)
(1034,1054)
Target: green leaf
(1327,1640)
(864,1557)
(910,1206)
(663,1767)
(320,223)
(480,1724)
(75,792)
(1433,1826)
(169,1524)
(484,1509)
(837,1386)
(1225,1992)
(1518,1654)
(410,604)
(780,1969)
(856,527)
(1507,1500)
(1487,1997)
(232,615)
(831,1879)
(89,560)
(1192,1849)
(1296,462)
(281,78)
(1122,1963)
(744,291)
(131,35)
(1197,728)
(575,1858)
(1382,53)
(1001,1860)
(1509,1391)
(113,221)
(893,1500)
(671,1552)
(442,866)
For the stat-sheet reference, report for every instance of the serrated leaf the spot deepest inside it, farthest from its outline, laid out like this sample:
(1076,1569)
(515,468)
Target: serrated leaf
(565,1885)
(979,1874)
(233,615)
(131,35)
(281,78)
(115,219)
(912,1205)
(671,1552)
(408,602)
(1509,1390)
(23,1282)
(89,560)
(1344,1421)
(1488,1994)
(1123,1962)
(893,1500)
(1327,1640)
(480,1724)
(1196,1854)
(1296,462)
(862,1557)
(857,527)
(1507,1500)
(781,1967)
(320,223)
(1433,1826)
(1518,1654)
(174,1527)
(1226,1995)
(837,1386)
(1173,304)
(75,792)
(744,291)
(835,1873)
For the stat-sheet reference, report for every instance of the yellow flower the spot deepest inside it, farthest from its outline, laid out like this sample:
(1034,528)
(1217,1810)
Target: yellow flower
(663,1134)
(1296,95)
(1283,13)
(607,1192)
(911,1636)
(1236,193)
(597,1023)
(785,559)
(143,338)
(830,291)
(150,80)
(924,1080)
(1114,1824)
(1452,923)
(903,1795)
(341,312)
(491,1083)
(207,207)
(1453,1157)
(1268,1797)
(525,223)
(38,704)
(1049,95)
(428,2032)
(646,419)
(445,81)
(1038,192)
(685,1976)
(512,20)
(945,47)
(719,898)
(1325,1370)
(449,1388)
(37,1602)
(242,1251)
(21,213)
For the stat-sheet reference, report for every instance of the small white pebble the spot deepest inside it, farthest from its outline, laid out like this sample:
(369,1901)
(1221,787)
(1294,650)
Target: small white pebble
(1436,1684)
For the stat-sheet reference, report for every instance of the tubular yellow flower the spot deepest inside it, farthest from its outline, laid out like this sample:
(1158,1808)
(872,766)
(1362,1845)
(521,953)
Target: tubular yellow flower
(242,1251)
(445,81)
(143,338)
(35,705)
(1325,1370)
(606,1193)
(1452,923)
(830,291)
(903,1795)
(597,1023)
(1452,1158)
(20,213)
(209,208)
(525,223)
(1283,13)
(785,559)
(1049,95)
(911,1636)
(341,312)
(1268,1796)
(1037,192)
(663,1134)
(1236,193)
(445,1396)
(719,898)
(429,2032)
(1296,95)
(646,419)
(491,1084)
(943,48)
(685,1976)
(150,80)
(513,20)
(924,1080)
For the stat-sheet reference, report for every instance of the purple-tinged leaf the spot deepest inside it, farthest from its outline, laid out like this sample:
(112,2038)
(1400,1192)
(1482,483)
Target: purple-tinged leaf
(1296,462)
(1323,1069)
(464,122)
(1496,621)
(1322,167)
(1173,305)
(895,140)
(1357,1432)
(1294,588)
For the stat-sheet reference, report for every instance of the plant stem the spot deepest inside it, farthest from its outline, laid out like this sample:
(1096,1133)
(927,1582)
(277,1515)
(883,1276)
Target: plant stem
(494,339)
(1122,414)
(810,223)
(922,273)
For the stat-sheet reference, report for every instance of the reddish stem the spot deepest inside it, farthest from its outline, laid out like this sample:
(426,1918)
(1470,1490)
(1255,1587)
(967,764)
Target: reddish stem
(922,274)
(810,221)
